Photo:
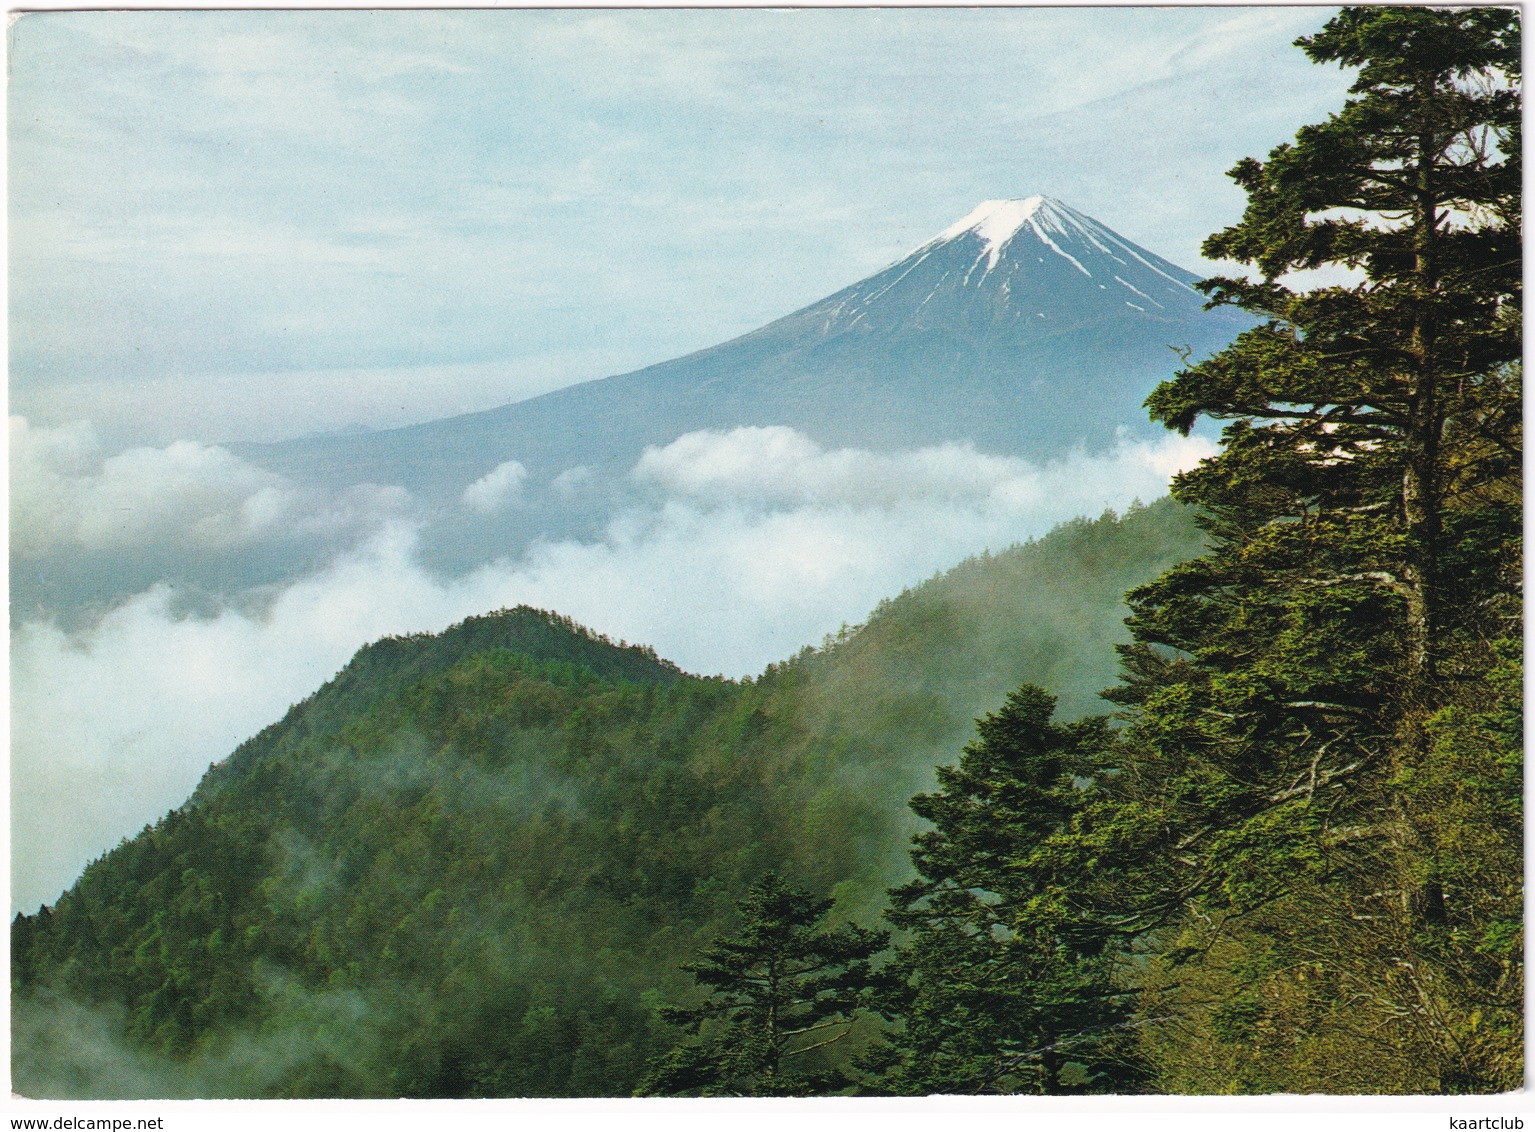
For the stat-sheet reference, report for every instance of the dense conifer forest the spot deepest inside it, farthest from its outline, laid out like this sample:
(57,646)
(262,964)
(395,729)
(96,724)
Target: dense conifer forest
(519,859)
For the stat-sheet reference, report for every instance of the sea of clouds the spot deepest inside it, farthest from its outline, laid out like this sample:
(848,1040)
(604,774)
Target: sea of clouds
(732,550)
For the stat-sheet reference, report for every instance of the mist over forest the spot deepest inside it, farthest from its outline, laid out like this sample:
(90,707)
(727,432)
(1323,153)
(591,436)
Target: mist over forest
(542,819)
(729,551)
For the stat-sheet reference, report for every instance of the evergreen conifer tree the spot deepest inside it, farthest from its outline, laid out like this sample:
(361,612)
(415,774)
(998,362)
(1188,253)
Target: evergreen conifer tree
(783,989)
(1004,984)
(1415,184)
(1288,689)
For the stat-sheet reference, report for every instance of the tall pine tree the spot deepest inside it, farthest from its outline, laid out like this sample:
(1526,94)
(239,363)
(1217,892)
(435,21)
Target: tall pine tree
(1290,689)
(783,989)
(1005,984)
(1416,185)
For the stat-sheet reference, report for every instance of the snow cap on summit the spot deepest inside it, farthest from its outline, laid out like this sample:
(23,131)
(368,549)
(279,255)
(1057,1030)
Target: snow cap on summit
(994,221)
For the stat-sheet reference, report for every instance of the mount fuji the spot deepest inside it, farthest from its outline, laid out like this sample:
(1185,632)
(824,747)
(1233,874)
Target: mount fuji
(1025,328)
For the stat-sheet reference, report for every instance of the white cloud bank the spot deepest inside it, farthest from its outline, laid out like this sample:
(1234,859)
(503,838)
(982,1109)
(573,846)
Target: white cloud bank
(67,495)
(496,488)
(752,544)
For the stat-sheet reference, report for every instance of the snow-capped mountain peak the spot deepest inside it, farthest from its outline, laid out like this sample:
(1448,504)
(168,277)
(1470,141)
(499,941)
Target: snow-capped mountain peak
(994,221)
(1033,263)
(1023,328)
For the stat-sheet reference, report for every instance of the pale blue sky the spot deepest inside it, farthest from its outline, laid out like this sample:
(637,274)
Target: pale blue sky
(230,224)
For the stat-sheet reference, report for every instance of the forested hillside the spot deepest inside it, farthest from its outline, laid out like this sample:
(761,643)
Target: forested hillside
(473,862)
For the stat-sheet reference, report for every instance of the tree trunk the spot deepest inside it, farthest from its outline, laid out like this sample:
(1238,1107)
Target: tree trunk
(1421,508)
(1421,471)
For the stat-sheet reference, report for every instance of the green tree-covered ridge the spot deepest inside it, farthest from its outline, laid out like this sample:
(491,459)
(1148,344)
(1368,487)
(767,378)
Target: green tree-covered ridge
(472,863)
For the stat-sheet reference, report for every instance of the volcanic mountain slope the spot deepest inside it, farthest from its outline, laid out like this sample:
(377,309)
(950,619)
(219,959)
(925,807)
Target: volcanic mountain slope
(1025,328)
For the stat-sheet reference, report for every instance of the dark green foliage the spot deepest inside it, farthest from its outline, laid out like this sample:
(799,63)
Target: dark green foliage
(783,989)
(473,862)
(1299,694)
(1003,984)
(1350,394)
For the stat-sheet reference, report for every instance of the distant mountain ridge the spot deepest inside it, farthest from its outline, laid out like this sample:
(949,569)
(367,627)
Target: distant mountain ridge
(1025,328)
